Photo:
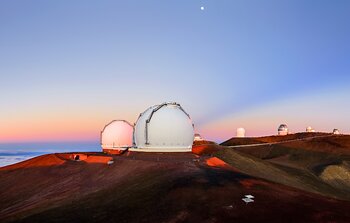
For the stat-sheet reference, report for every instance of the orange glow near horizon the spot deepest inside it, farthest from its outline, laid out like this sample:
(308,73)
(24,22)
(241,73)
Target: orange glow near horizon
(52,125)
(50,129)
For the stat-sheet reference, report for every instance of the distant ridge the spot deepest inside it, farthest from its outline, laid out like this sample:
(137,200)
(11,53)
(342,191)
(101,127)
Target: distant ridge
(271,139)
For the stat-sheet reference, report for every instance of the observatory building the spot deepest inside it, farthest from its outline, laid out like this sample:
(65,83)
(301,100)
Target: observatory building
(198,137)
(310,129)
(283,130)
(164,128)
(116,136)
(240,132)
(336,132)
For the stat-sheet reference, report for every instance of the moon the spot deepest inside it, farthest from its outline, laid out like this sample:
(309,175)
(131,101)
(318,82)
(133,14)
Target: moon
(202,8)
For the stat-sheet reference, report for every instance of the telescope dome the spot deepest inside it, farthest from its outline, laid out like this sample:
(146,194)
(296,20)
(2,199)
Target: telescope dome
(283,129)
(240,132)
(164,128)
(310,129)
(336,132)
(116,136)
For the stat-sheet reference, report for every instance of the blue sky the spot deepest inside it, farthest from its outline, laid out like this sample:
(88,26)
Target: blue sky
(79,64)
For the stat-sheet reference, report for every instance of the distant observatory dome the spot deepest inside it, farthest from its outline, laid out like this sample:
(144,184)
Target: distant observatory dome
(240,132)
(283,130)
(116,136)
(164,128)
(310,129)
(336,132)
(198,137)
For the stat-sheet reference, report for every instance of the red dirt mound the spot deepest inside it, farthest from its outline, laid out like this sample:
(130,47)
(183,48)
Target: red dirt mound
(40,161)
(214,161)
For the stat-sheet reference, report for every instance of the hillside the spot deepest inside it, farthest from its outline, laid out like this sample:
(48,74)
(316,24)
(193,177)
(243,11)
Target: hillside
(287,181)
(317,164)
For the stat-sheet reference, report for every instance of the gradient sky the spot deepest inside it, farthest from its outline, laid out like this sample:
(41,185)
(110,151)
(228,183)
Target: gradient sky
(69,67)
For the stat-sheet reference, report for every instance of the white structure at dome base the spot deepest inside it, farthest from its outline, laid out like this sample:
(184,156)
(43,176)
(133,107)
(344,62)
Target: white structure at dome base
(283,130)
(164,128)
(240,132)
(116,136)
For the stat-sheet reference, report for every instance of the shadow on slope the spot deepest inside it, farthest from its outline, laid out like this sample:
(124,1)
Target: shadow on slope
(202,195)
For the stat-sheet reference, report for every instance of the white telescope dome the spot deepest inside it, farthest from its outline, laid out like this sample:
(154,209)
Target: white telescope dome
(164,128)
(283,130)
(117,135)
(310,129)
(240,132)
(336,132)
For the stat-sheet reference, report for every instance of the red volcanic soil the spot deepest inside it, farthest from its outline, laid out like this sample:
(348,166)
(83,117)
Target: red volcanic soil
(154,187)
(113,151)
(216,162)
(205,147)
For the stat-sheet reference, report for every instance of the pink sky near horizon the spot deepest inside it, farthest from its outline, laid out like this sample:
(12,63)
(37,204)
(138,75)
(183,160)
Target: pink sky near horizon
(319,110)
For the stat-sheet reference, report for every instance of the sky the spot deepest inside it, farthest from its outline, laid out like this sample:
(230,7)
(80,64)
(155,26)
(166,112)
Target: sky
(67,67)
